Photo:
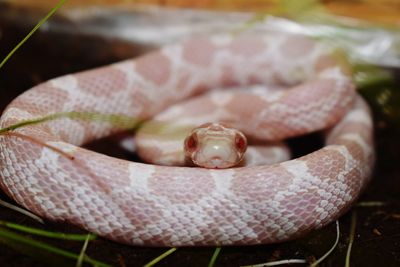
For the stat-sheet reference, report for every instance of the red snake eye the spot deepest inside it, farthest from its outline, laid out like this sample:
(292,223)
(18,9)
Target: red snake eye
(191,143)
(240,142)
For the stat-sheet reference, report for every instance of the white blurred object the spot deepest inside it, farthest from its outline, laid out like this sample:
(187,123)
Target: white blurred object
(157,26)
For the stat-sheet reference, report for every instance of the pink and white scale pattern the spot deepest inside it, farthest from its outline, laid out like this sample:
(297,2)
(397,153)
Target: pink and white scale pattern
(142,204)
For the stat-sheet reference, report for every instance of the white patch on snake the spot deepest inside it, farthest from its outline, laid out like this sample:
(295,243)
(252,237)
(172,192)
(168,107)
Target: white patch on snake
(65,147)
(303,180)
(139,175)
(75,133)
(332,73)
(171,113)
(128,144)
(223,179)
(16,114)
(125,66)
(270,96)
(48,161)
(345,153)
(359,116)
(360,141)
(167,146)
(221,40)
(48,157)
(340,185)
(66,83)
(281,153)
(252,157)
(220,99)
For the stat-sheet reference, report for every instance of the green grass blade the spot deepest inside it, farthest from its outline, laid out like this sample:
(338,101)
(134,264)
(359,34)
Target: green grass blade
(277,263)
(214,257)
(369,204)
(351,238)
(21,210)
(9,236)
(44,233)
(82,254)
(369,75)
(159,258)
(40,23)
(314,264)
(121,121)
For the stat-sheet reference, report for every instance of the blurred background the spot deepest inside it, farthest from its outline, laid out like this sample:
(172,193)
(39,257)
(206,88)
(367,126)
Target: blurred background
(385,11)
(86,34)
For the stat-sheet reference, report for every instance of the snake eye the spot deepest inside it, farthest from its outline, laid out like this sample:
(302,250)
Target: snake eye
(191,143)
(241,142)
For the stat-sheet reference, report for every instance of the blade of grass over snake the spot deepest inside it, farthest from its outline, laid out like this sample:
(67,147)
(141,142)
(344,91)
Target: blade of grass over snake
(314,264)
(79,262)
(21,210)
(159,258)
(368,204)
(40,23)
(277,263)
(302,261)
(214,257)
(351,238)
(44,233)
(7,235)
(121,121)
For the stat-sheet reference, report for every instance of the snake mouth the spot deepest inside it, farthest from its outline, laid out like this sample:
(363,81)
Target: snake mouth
(218,163)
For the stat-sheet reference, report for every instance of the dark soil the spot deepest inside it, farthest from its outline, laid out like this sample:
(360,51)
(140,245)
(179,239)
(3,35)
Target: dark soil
(50,54)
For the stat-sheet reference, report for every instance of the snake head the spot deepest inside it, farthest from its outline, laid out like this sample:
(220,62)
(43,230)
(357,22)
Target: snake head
(215,146)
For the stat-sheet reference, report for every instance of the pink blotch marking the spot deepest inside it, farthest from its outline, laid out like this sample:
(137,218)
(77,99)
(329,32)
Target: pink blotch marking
(248,46)
(107,171)
(198,107)
(354,176)
(353,147)
(41,100)
(325,163)
(302,207)
(136,205)
(246,105)
(309,92)
(278,78)
(228,76)
(325,62)
(356,128)
(297,46)
(183,81)
(154,67)
(199,52)
(262,74)
(102,82)
(260,183)
(148,154)
(144,105)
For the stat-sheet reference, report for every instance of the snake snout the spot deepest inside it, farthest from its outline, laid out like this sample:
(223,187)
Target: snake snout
(217,146)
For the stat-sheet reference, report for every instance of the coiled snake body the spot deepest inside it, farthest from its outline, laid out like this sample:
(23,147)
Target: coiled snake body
(143,204)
